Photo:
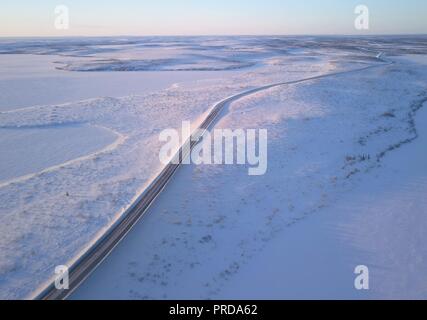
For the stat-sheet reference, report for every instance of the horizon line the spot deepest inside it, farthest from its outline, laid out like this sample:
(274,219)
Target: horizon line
(218,35)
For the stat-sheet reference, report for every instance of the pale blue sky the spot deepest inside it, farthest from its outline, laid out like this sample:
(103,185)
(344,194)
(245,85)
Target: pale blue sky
(211,17)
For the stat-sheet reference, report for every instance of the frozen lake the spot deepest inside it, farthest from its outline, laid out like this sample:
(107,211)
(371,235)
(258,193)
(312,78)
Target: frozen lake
(30,150)
(30,80)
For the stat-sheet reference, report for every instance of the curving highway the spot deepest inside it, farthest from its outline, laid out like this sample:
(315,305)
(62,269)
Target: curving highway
(88,262)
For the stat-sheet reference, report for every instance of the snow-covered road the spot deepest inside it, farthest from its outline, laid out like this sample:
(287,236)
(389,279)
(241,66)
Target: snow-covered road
(91,259)
(63,209)
(216,233)
(82,163)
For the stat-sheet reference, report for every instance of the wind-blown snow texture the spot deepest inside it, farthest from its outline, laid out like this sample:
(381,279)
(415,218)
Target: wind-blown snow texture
(324,135)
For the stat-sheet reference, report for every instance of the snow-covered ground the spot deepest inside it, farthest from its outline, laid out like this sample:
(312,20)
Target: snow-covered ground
(213,225)
(48,146)
(30,80)
(381,223)
(344,187)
